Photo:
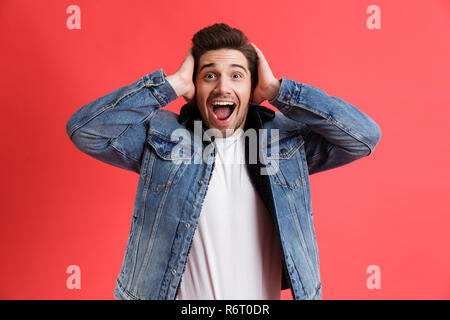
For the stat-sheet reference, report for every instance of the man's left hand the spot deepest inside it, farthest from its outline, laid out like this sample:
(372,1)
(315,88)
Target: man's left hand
(268,86)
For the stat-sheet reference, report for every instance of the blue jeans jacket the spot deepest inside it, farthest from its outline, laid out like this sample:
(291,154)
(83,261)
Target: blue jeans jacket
(128,129)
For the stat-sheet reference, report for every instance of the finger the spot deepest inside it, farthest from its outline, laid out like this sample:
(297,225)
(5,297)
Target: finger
(262,60)
(188,63)
(189,53)
(258,51)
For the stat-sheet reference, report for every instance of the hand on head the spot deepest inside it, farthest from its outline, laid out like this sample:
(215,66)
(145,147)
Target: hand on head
(268,86)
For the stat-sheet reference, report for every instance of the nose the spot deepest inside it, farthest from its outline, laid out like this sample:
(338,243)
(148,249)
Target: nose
(223,86)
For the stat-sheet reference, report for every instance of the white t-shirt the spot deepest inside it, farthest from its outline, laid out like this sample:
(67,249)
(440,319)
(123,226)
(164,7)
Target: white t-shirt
(235,252)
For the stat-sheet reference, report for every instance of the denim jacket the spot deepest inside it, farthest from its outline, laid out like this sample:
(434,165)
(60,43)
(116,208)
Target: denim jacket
(127,128)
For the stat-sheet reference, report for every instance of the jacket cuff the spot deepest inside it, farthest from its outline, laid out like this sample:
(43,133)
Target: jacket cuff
(160,87)
(289,91)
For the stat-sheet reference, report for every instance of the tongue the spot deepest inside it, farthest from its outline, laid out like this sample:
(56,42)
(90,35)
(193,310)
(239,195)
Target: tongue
(222,112)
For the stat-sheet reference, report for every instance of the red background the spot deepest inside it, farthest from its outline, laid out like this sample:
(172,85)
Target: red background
(59,207)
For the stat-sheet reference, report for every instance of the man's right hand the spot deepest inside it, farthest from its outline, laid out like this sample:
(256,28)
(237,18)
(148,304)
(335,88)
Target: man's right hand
(181,81)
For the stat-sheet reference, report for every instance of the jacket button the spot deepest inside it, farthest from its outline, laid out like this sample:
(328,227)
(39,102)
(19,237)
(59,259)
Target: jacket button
(156,79)
(174,272)
(187,225)
(200,182)
(292,270)
(167,153)
(283,150)
(287,97)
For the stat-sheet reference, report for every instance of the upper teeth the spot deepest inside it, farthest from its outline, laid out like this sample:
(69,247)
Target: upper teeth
(222,103)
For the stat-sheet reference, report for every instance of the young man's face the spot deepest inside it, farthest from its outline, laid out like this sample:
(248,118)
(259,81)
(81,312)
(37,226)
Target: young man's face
(223,89)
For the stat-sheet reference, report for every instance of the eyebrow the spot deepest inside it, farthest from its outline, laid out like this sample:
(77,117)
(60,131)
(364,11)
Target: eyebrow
(213,64)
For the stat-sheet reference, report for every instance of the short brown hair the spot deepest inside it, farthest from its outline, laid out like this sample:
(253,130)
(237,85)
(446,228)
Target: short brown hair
(222,36)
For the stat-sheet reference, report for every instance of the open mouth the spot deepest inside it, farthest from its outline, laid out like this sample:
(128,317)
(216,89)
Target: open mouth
(222,110)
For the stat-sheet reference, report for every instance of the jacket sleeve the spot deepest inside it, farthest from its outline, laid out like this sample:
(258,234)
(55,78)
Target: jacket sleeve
(113,128)
(336,132)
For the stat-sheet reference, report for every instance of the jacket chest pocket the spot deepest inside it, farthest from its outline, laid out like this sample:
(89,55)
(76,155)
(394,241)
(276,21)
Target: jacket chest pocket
(167,162)
(282,155)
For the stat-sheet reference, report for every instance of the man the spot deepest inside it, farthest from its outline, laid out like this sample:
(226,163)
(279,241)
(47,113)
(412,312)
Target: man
(227,226)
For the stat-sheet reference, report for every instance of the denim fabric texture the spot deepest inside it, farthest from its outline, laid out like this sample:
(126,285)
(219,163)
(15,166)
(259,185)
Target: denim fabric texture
(128,129)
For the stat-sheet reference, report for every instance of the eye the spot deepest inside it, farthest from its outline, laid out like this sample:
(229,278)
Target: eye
(209,76)
(236,75)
